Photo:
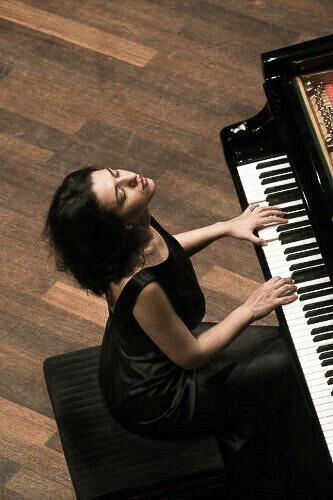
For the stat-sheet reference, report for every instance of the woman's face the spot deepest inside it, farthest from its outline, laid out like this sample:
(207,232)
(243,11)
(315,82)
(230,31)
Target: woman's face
(126,193)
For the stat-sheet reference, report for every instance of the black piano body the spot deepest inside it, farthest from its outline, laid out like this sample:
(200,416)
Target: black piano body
(293,75)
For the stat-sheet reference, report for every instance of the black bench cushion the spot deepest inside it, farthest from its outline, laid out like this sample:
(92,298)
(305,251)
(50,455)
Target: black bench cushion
(103,458)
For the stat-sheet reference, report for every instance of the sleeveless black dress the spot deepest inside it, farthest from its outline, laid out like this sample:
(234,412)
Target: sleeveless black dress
(145,391)
(247,394)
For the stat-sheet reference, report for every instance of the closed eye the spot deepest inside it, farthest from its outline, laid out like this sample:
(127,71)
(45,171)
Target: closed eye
(123,198)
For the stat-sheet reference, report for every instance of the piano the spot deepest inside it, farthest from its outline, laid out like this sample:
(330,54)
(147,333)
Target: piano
(283,156)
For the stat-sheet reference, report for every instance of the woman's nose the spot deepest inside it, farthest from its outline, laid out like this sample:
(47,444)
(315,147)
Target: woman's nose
(128,177)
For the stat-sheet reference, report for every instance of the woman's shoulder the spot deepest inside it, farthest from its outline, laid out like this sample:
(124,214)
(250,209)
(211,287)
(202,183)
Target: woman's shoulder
(158,257)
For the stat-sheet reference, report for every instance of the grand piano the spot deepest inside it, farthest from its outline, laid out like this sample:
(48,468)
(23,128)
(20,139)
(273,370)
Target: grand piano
(283,156)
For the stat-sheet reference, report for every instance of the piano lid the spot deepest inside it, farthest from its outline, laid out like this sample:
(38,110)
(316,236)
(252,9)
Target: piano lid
(316,95)
(299,89)
(313,55)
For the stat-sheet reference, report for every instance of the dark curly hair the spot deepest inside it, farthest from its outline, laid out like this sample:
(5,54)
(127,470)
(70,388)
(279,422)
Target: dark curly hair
(89,240)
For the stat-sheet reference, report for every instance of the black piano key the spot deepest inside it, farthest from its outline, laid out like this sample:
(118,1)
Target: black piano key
(304,265)
(324,336)
(306,246)
(292,225)
(280,187)
(323,348)
(322,329)
(326,355)
(319,312)
(312,288)
(293,215)
(327,362)
(315,305)
(330,381)
(272,173)
(300,255)
(320,319)
(309,274)
(293,208)
(314,295)
(329,373)
(277,178)
(283,197)
(295,235)
(271,163)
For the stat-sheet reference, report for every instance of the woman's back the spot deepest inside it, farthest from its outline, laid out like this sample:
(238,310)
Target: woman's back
(142,386)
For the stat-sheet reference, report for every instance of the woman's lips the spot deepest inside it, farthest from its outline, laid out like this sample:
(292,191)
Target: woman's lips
(144,182)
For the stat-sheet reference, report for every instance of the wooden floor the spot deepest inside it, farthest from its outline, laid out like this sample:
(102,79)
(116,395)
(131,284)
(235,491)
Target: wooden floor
(145,85)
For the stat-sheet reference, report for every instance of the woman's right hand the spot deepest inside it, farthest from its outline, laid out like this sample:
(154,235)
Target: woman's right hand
(271,294)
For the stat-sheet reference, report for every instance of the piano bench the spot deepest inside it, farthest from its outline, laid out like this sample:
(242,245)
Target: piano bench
(107,461)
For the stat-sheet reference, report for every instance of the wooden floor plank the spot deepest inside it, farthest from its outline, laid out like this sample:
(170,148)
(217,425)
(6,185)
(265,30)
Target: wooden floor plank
(76,33)
(76,301)
(38,428)
(31,484)
(42,460)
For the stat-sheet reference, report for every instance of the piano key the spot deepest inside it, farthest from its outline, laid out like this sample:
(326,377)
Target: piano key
(320,319)
(280,187)
(321,329)
(305,275)
(328,362)
(279,169)
(295,235)
(272,163)
(306,263)
(318,311)
(325,348)
(278,260)
(300,255)
(283,197)
(272,231)
(319,286)
(251,179)
(301,246)
(326,355)
(319,294)
(296,310)
(298,213)
(323,336)
(303,222)
(315,305)
(293,206)
(277,177)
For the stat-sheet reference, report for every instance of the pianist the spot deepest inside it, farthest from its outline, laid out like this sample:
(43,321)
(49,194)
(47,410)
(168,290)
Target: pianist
(157,378)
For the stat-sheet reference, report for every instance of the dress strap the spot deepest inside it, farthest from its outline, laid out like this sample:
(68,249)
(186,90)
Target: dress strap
(134,286)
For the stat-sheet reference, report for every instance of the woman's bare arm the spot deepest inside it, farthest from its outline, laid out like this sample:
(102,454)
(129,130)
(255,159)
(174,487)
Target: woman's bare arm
(197,239)
(241,227)
(157,317)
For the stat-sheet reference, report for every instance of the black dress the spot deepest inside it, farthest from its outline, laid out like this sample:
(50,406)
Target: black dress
(144,389)
(247,394)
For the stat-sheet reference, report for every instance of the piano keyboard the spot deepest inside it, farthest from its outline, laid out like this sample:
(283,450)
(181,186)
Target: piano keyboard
(293,251)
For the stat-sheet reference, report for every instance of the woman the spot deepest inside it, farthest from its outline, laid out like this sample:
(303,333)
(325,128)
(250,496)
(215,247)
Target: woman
(162,376)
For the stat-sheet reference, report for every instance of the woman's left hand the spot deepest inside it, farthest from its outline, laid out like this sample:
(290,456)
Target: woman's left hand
(254,217)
